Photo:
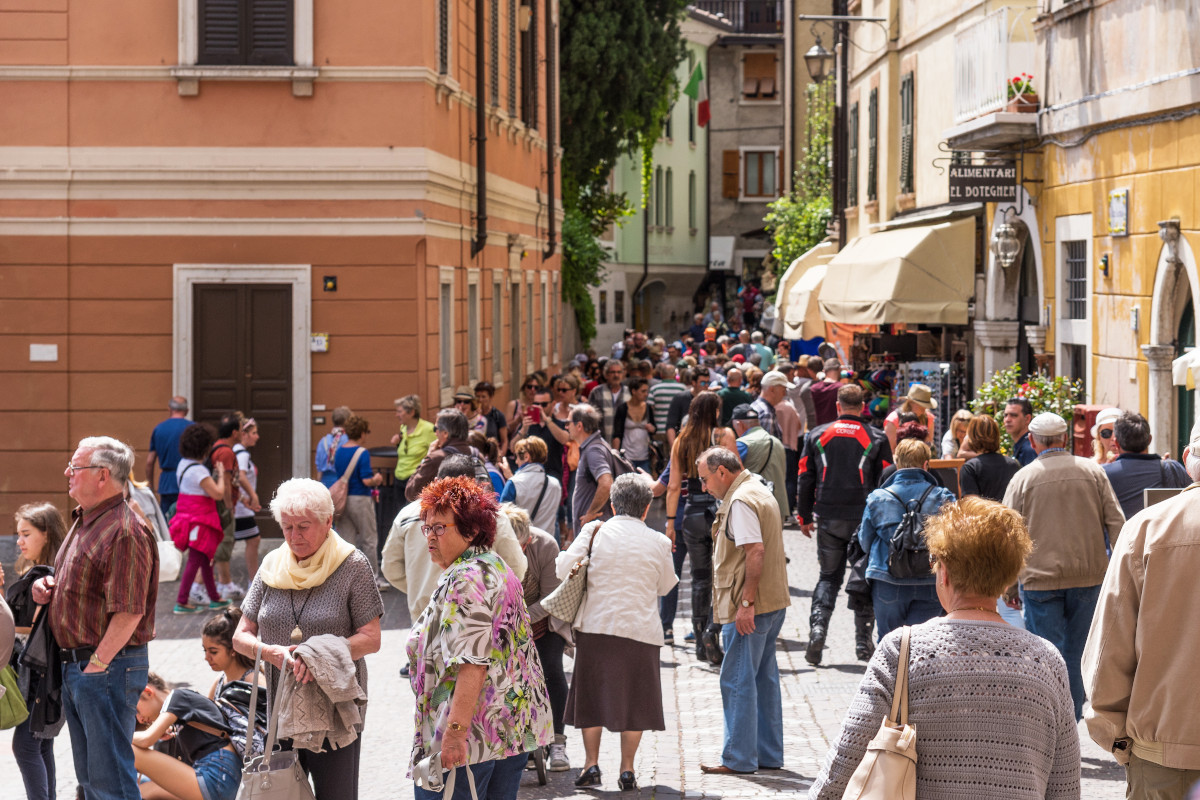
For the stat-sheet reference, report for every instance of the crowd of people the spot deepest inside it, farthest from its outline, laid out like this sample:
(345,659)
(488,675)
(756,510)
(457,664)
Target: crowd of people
(1018,590)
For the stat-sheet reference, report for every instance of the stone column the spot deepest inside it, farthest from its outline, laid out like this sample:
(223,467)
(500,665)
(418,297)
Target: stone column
(999,340)
(1036,336)
(1161,389)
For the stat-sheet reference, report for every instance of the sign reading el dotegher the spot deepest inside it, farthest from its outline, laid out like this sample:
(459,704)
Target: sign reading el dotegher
(991,183)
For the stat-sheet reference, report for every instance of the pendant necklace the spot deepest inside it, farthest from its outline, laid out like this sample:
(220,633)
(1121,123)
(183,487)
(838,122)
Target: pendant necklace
(298,635)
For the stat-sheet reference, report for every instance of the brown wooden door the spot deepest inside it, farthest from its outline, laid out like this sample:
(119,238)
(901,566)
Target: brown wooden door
(242,360)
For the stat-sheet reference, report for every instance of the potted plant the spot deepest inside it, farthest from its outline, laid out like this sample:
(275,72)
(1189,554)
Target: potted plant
(1022,97)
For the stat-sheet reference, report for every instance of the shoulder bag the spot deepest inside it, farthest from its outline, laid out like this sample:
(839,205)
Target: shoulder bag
(272,775)
(13,710)
(564,602)
(888,771)
(341,487)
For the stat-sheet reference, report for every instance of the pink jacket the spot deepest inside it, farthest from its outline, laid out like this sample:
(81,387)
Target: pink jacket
(198,513)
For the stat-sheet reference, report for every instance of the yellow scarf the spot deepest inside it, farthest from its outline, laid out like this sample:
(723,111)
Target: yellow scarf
(282,570)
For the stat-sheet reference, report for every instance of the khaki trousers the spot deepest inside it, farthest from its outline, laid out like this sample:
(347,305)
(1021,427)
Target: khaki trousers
(1149,781)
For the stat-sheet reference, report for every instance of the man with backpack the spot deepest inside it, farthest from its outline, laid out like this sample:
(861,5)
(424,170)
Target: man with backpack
(893,534)
(840,465)
(599,466)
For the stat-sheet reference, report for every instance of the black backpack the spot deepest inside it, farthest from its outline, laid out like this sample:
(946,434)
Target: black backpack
(908,556)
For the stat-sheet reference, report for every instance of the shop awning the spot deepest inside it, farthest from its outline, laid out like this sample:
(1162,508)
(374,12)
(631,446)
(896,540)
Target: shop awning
(922,274)
(1186,369)
(797,314)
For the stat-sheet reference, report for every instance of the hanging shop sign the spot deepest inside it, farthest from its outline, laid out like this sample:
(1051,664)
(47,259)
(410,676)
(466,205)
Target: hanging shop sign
(988,183)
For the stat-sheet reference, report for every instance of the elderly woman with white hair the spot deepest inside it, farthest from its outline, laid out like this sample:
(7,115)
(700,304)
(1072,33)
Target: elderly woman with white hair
(317,583)
(615,683)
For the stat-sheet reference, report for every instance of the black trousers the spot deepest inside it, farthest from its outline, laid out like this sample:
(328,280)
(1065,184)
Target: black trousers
(698,518)
(833,537)
(792,478)
(550,651)
(334,773)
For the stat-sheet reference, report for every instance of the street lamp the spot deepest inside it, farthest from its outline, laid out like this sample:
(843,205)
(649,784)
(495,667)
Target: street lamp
(819,62)
(1006,245)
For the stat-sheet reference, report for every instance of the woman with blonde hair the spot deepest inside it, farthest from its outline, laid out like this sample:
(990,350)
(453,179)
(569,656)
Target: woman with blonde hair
(700,433)
(1104,441)
(956,434)
(990,703)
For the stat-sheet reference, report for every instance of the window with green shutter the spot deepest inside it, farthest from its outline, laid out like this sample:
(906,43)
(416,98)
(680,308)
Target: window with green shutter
(852,160)
(873,146)
(906,133)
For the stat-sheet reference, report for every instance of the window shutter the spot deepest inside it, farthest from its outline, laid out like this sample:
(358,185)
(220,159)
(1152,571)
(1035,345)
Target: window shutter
(852,177)
(872,145)
(270,40)
(730,173)
(906,134)
(220,32)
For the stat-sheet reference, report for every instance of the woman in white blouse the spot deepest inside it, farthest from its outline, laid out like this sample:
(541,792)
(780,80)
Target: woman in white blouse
(615,683)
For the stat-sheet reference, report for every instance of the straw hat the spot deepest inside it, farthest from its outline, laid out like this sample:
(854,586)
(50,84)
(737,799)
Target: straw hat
(921,395)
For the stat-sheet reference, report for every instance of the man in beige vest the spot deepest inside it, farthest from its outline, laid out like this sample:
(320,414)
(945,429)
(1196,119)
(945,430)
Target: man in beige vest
(750,599)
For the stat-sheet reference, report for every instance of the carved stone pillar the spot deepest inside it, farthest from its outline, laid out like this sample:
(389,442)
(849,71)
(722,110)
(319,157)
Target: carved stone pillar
(1036,336)
(1161,389)
(999,340)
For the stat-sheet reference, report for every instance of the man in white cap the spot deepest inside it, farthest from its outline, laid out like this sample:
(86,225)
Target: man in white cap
(1139,664)
(1073,518)
(774,390)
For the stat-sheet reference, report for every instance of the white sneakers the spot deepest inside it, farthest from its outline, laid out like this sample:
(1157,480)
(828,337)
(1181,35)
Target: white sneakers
(558,755)
(230,591)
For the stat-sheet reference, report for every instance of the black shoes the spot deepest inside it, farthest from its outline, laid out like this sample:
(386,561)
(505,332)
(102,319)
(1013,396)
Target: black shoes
(864,650)
(591,777)
(710,640)
(816,643)
(627,782)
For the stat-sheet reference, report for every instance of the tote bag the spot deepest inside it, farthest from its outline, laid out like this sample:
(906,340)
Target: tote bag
(272,775)
(888,771)
(564,602)
(13,710)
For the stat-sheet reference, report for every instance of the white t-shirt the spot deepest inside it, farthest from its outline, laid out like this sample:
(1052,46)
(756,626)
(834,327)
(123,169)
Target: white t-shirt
(189,479)
(251,473)
(743,522)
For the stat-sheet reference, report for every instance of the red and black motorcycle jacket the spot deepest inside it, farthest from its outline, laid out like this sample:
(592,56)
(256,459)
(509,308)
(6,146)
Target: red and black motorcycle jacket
(839,466)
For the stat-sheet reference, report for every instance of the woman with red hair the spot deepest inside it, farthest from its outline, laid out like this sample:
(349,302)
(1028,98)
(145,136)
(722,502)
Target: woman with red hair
(481,697)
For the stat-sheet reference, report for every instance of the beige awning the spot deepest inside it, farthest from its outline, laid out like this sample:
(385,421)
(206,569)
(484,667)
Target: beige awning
(1185,369)
(915,275)
(797,316)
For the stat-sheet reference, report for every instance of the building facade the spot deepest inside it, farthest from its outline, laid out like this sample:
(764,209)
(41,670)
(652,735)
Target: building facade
(263,207)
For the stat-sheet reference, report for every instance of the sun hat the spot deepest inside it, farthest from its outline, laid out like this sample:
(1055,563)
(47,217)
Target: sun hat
(1105,417)
(921,395)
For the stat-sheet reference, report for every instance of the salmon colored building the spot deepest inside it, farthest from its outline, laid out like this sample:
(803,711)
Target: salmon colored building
(267,205)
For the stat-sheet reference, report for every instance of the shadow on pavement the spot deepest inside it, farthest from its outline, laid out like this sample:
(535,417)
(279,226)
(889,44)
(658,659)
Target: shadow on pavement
(1101,769)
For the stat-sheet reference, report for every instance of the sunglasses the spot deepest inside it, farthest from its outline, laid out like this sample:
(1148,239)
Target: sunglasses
(562,389)
(531,386)
(539,405)
(1106,434)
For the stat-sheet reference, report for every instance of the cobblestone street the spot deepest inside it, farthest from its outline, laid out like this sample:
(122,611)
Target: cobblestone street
(668,763)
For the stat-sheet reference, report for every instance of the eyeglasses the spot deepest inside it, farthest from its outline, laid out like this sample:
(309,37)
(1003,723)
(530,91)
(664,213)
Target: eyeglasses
(71,468)
(438,530)
(1106,434)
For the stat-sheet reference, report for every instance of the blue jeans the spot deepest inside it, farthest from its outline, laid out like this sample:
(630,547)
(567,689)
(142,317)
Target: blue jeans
(1063,617)
(494,780)
(35,759)
(750,695)
(670,600)
(900,604)
(101,711)
(219,775)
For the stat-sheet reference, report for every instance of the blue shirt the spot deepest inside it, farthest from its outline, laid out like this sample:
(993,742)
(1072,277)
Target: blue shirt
(883,513)
(164,441)
(341,460)
(1131,473)
(1023,451)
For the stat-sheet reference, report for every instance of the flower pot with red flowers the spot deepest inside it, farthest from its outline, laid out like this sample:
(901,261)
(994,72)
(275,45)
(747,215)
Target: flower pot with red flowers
(1022,98)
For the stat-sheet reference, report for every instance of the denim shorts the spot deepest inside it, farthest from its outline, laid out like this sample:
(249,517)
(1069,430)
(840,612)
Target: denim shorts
(219,774)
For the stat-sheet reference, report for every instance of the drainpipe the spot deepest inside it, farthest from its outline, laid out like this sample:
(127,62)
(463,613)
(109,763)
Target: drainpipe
(481,235)
(643,325)
(551,116)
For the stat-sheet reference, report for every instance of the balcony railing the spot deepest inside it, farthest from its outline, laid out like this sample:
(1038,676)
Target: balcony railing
(747,16)
(985,58)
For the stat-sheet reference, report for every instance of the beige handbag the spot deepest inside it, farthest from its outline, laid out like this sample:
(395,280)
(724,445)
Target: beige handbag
(888,770)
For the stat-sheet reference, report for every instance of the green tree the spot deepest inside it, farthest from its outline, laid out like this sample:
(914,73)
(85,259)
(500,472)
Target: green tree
(798,220)
(617,83)
(1058,395)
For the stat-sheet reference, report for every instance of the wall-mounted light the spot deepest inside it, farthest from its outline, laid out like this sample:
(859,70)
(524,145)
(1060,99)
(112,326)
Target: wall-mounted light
(1006,245)
(819,62)
(329,283)
(1104,261)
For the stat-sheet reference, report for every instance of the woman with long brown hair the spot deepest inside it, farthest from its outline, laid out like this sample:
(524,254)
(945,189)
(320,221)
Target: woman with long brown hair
(701,432)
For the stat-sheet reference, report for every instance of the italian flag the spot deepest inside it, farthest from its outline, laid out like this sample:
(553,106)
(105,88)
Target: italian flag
(697,89)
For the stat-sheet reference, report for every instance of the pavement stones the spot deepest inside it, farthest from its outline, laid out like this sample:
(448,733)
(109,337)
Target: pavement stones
(668,762)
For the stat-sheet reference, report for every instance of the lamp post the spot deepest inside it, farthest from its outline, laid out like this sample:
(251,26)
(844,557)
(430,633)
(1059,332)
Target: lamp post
(818,60)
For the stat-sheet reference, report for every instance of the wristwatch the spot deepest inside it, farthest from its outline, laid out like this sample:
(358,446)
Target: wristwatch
(747,603)
(457,726)
(96,662)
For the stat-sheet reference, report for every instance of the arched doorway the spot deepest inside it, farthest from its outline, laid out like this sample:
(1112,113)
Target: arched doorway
(1029,307)
(1185,401)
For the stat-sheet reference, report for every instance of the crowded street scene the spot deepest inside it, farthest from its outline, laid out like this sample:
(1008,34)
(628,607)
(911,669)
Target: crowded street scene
(498,399)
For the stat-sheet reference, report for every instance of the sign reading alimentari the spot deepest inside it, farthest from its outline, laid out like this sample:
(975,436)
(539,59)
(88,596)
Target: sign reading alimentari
(989,183)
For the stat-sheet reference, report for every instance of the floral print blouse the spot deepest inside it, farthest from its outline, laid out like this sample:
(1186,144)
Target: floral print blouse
(477,615)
